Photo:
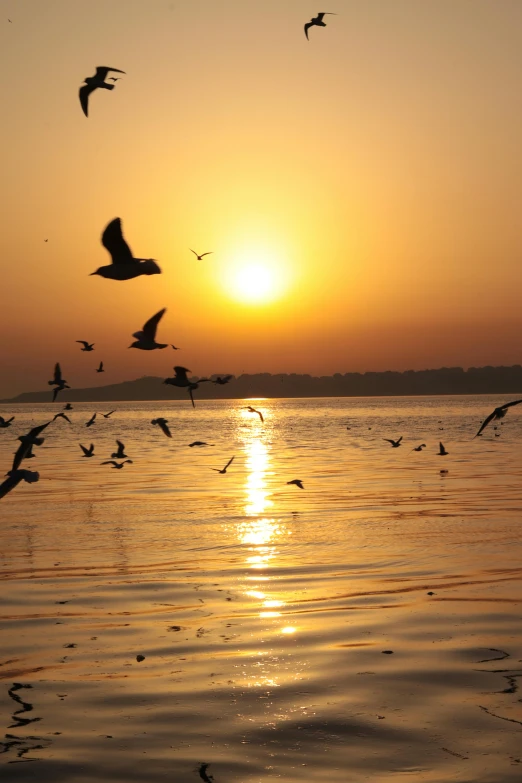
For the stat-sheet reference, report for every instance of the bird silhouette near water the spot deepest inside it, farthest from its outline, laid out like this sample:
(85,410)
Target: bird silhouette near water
(442,450)
(58,381)
(200,443)
(100,368)
(95,82)
(199,257)
(297,482)
(224,470)
(15,477)
(146,339)
(4,423)
(86,346)
(26,444)
(108,415)
(120,453)
(124,266)
(250,409)
(163,425)
(497,414)
(222,380)
(395,443)
(317,21)
(182,381)
(61,415)
(419,448)
(117,465)
(88,452)
(91,420)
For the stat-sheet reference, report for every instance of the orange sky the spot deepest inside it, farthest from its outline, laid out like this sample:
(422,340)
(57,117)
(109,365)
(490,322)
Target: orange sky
(374,170)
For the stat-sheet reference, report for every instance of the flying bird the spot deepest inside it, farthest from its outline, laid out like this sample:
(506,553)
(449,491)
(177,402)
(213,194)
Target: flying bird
(26,444)
(146,339)
(394,443)
(92,83)
(224,470)
(108,415)
(15,477)
(120,454)
(199,257)
(164,427)
(86,346)
(181,380)
(250,409)
(100,368)
(174,347)
(419,448)
(58,381)
(124,266)
(61,416)
(68,407)
(88,452)
(442,450)
(498,413)
(317,21)
(91,420)
(297,482)
(4,423)
(200,443)
(117,465)
(222,380)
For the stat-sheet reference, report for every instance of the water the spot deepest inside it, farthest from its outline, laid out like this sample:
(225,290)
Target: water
(263,611)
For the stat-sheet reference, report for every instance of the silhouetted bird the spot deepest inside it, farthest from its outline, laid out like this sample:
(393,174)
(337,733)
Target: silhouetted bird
(199,257)
(200,443)
(91,420)
(181,380)
(498,413)
(124,266)
(224,470)
(86,346)
(4,423)
(419,448)
(442,450)
(58,381)
(250,409)
(15,477)
(108,415)
(117,465)
(223,380)
(317,21)
(61,416)
(26,444)
(88,452)
(146,339)
(115,78)
(68,407)
(100,368)
(394,443)
(120,454)
(164,427)
(174,347)
(297,482)
(93,83)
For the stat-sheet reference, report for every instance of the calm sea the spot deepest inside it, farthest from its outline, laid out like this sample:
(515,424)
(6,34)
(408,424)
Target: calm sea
(366,628)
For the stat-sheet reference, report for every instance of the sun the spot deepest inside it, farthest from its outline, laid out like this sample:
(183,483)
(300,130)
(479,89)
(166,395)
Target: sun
(254,283)
(256,276)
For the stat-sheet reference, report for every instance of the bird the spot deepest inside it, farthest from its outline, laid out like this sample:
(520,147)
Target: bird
(91,420)
(419,448)
(100,368)
(222,380)
(224,470)
(199,257)
(394,443)
(115,78)
(58,381)
(442,450)
(26,444)
(250,409)
(88,452)
(15,477)
(199,443)
(146,339)
(174,347)
(68,407)
(92,83)
(181,380)
(4,423)
(162,424)
(124,266)
(498,413)
(297,482)
(120,454)
(108,415)
(317,21)
(117,465)
(86,346)
(61,415)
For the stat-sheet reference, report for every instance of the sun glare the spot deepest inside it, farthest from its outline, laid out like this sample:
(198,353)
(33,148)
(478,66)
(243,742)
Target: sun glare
(254,283)
(255,277)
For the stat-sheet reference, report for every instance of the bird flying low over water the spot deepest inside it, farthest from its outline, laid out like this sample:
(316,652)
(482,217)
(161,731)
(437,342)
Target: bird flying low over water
(395,443)
(498,413)
(419,448)
(120,454)
(15,477)
(86,346)
(224,470)
(317,21)
(250,409)
(58,381)
(61,416)
(117,465)
(93,83)
(88,452)
(108,415)
(200,443)
(124,266)
(164,427)
(181,380)
(174,347)
(91,420)
(222,380)
(442,450)
(68,407)
(100,368)
(26,444)
(4,423)
(146,339)
(297,482)
(199,257)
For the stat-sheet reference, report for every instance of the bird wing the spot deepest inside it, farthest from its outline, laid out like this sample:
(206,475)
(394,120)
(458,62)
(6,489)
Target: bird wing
(102,71)
(121,446)
(388,440)
(32,434)
(106,415)
(192,397)
(55,392)
(83,342)
(486,422)
(110,462)
(441,448)
(84,93)
(193,251)
(230,461)
(181,372)
(509,404)
(101,366)
(307,26)
(57,373)
(206,254)
(399,439)
(165,429)
(260,415)
(2,420)
(149,329)
(85,451)
(113,241)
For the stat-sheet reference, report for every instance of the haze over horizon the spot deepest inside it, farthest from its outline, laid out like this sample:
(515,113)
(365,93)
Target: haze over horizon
(359,191)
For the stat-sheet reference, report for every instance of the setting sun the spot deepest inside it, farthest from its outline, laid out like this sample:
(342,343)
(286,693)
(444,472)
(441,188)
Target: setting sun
(254,283)
(255,276)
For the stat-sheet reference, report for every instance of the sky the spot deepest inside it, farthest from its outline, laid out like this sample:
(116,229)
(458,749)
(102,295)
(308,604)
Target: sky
(360,192)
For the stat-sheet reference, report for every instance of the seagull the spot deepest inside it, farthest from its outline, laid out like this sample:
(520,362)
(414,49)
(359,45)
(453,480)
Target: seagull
(15,477)
(230,461)
(419,448)
(62,416)
(250,409)
(164,427)
(86,346)
(117,465)
(174,347)
(100,368)
(91,420)
(88,452)
(124,266)
(199,257)
(26,444)
(317,21)
(108,415)
(297,482)
(394,443)
(120,454)
(200,443)
(181,380)
(68,407)
(146,339)
(223,380)
(442,450)
(498,413)
(4,423)
(58,381)
(94,82)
